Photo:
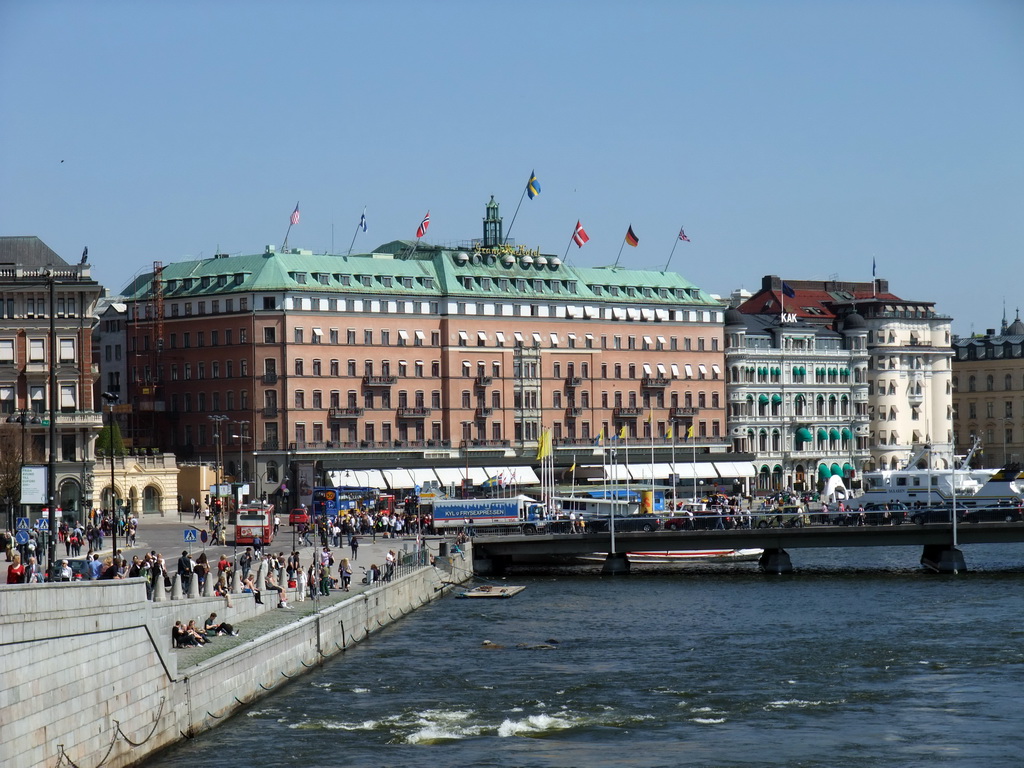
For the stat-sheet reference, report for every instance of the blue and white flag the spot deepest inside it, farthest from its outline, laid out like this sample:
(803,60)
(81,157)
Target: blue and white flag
(362,221)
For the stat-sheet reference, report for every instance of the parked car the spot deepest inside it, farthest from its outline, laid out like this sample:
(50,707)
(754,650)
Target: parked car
(885,513)
(624,524)
(786,516)
(941,514)
(298,517)
(998,513)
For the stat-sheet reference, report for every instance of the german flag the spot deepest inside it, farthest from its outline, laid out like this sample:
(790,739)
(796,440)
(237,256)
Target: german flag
(631,239)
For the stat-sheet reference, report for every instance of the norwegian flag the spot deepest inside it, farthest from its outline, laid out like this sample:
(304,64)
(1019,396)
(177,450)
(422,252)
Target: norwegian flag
(579,235)
(295,215)
(422,229)
(682,235)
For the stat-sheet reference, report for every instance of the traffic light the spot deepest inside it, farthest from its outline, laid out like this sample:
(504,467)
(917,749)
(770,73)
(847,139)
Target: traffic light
(207,501)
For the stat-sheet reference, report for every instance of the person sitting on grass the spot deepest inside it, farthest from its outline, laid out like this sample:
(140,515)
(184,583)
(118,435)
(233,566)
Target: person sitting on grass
(212,627)
(197,633)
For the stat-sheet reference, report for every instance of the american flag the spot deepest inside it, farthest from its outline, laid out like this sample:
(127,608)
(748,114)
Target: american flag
(422,229)
(295,215)
(579,235)
(682,235)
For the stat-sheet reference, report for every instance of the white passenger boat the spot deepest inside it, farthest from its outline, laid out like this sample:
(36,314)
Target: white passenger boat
(681,556)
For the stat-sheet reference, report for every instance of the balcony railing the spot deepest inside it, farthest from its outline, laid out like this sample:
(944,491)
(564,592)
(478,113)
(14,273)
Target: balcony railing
(654,381)
(269,378)
(573,413)
(345,413)
(627,413)
(483,381)
(574,381)
(270,412)
(413,413)
(682,413)
(483,413)
(379,381)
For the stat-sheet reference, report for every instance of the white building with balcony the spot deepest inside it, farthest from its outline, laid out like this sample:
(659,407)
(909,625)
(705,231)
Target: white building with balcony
(798,398)
(908,373)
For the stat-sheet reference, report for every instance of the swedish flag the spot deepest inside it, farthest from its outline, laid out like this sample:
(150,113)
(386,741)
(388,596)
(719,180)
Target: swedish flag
(533,186)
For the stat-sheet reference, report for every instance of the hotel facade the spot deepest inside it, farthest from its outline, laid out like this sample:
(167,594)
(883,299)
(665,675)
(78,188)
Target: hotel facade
(417,357)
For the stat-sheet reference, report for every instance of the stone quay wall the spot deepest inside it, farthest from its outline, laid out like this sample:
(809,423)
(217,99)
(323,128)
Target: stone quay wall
(90,679)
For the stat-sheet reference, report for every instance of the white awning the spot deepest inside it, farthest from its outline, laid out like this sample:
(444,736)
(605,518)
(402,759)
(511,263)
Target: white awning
(554,339)
(647,369)
(661,369)
(661,340)
(648,341)
(589,336)
(572,336)
(643,472)
(662,314)
(735,469)
(500,337)
(518,336)
(463,335)
(703,470)
(371,478)
(675,370)
(318,332)
(448,475)
(689,370)
(523,476)
(616,472)
(647,313)
(618,313)
(403,335)
(591,311)
(536,337)
(420,476)
(716,370)
(481,336)
(703,369)
(477,474)
(420,335)
(634,314)
(6,393)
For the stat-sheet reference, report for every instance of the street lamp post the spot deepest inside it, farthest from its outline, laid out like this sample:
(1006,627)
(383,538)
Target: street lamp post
(217,419)
(111,399)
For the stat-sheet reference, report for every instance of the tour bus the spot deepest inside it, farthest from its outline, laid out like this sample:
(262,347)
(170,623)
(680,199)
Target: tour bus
(254,520)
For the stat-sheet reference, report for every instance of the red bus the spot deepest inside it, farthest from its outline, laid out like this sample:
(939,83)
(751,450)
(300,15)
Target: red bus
(253,521)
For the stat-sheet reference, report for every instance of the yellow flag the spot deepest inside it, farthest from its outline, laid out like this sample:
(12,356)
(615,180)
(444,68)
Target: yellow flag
(573,467)
(623,432)
(668,432)
(544,445)
(689,432)
(650,416)
(600,435)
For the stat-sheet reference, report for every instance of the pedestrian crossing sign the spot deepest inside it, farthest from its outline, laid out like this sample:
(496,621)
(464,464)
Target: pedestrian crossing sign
(190,535)
(23,524)
(42,524)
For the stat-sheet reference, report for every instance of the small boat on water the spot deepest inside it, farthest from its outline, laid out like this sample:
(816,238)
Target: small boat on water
(488,591)
(681,556)
(696,556)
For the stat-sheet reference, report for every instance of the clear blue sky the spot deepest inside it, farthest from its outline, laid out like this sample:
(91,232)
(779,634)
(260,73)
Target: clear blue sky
(790,137)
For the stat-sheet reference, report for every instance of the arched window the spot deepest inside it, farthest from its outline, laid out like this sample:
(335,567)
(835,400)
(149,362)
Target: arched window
(972,382)
(990,382)
(272,476)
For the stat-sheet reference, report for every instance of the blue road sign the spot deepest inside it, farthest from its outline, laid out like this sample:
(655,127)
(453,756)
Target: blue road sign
(190,535)
(23,524)
(21,537)
(42,524)
(202,536)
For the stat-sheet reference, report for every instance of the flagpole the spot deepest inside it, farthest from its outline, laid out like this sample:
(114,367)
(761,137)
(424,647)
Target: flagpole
(621,246)
(572,239)
(284,245)
(356,233)
(675,482)
(674,244)
(651,422)
(627,464)
(521,198)
(694,445)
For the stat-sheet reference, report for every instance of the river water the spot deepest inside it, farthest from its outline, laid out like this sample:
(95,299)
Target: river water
(860,658)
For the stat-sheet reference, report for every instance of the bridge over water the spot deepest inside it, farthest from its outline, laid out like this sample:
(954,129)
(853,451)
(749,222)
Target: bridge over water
(493,554)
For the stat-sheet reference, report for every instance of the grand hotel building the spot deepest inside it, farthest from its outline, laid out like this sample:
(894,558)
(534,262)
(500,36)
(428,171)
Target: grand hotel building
(417,356)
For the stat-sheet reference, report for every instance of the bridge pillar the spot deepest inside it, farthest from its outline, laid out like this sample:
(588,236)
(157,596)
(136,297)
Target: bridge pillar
(615,563)
(485,565)
(775,561)
(943,558)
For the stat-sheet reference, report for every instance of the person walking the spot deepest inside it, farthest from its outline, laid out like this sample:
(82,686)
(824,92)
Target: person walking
(354,545)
